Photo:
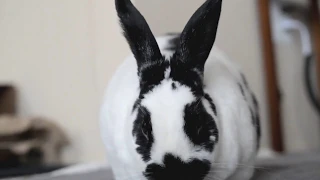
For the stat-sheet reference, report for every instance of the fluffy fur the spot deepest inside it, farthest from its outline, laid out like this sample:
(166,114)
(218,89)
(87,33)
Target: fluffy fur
(178,108)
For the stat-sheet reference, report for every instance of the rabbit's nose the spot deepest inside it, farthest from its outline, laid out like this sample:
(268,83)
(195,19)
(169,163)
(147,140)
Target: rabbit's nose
(174,168)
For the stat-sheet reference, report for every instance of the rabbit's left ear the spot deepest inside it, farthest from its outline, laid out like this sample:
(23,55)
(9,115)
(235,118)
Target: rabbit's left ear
(138,34)
(199,34)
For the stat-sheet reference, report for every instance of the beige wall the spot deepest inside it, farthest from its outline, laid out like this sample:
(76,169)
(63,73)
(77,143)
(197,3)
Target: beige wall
(238,36)
(60,54)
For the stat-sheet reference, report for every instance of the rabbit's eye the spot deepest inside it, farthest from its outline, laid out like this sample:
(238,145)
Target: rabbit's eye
(200,126)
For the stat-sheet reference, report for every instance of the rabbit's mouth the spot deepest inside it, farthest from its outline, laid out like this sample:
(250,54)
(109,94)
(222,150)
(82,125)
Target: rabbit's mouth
(174,168)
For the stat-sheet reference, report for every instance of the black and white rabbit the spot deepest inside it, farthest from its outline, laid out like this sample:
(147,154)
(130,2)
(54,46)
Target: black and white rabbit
(177,108)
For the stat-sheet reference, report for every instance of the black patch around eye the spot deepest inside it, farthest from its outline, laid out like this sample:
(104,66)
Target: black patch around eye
(200,126)
(142,131)
(173,168)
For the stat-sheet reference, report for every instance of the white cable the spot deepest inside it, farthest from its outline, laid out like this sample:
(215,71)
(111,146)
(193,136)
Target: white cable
(291,24)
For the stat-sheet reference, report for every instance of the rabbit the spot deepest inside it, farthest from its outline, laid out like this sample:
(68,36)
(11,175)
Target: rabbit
(177,107)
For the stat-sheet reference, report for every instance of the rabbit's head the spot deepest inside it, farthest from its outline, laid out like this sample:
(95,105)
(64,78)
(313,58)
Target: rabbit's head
(174,129)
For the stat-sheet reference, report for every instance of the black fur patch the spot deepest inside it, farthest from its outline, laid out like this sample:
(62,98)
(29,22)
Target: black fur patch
(183,72)
(187,75)
(258,129)
(212,105)
(257,118)
(152,75)
(173,168)
(255,102)
(174,86)
(142,130)
(241,89)
(244,80)
(253,117)
(136,104)
(200,126)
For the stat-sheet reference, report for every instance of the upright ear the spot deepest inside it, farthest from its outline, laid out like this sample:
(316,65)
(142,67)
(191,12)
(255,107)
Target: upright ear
(199,34)
(138,34)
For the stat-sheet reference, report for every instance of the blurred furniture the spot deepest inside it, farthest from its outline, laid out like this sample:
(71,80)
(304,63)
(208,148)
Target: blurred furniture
(7,106)
(29,141)
(7,100)
(27,145)
(273,93)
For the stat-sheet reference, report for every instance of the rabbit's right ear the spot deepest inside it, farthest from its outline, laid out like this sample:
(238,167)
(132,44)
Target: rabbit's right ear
(199,34)
(138,34)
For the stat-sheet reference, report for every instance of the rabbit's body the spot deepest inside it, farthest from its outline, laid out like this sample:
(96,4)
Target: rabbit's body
(236,116)
(178,108)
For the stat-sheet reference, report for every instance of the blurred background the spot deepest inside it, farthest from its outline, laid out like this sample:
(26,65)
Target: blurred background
(56,57)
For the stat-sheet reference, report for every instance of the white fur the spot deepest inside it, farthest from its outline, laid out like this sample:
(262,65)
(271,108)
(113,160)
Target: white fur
(235,151)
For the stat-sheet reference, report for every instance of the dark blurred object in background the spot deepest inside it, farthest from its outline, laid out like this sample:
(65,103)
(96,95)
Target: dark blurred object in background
(7,100)
(27,145)
(33,141)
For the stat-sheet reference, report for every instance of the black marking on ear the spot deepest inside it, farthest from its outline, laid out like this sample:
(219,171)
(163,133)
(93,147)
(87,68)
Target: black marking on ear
(200,126)
(212,105)
(138,34)
(199,34)
(174,168)
(142,131)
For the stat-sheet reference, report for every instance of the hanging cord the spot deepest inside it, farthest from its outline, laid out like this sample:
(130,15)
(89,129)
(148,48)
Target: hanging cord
(308,58)
(308,82)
